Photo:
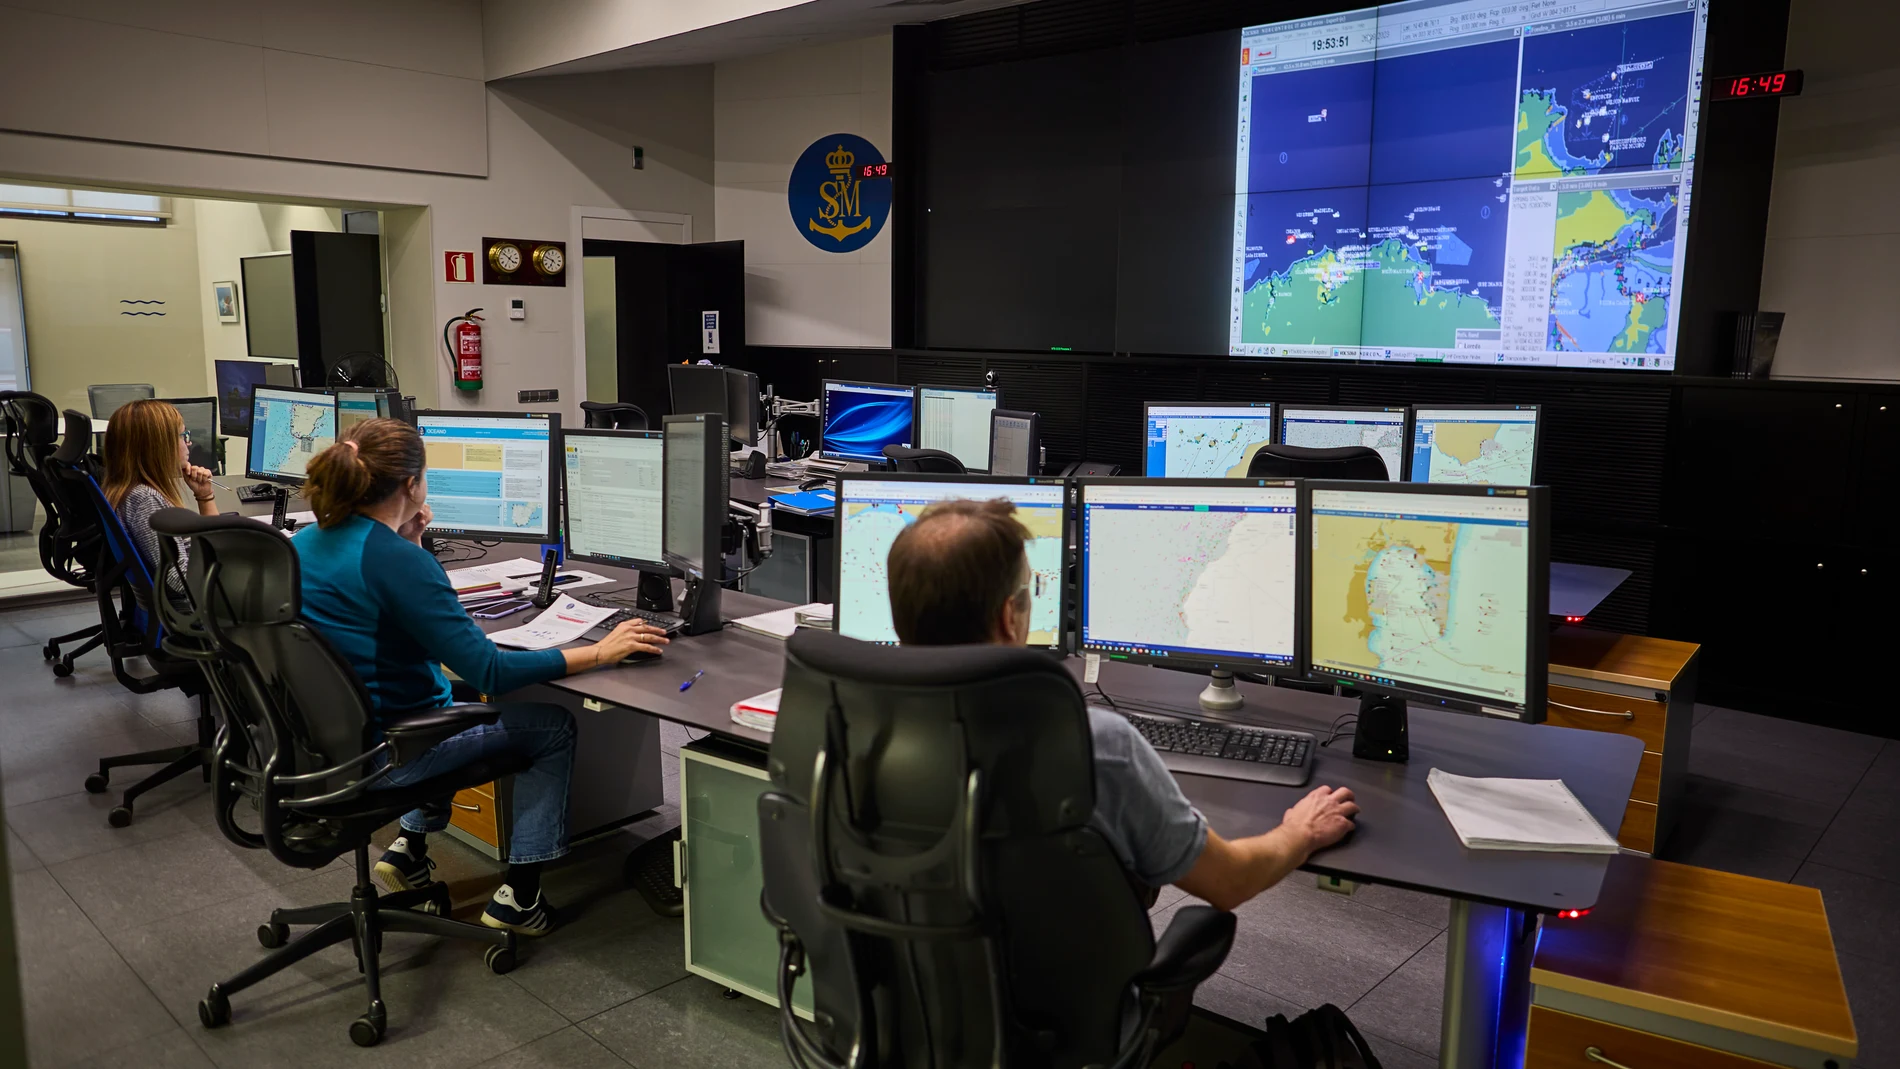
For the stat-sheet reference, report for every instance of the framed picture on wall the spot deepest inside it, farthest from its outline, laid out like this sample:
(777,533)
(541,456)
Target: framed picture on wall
(225,296)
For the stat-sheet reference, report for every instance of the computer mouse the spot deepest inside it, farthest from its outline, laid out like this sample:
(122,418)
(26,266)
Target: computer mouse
(639,658)
(814,484)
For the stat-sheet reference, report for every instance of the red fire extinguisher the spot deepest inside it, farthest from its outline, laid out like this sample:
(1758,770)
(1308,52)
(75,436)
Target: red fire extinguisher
(462,336)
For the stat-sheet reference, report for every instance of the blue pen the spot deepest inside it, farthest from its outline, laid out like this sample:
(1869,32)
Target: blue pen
(692,681)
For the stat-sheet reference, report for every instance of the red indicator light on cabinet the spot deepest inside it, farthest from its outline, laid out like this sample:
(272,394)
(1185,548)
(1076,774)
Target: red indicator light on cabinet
(1572,914)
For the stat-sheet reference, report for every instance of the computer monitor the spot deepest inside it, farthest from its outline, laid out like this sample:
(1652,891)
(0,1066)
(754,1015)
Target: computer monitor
(201,423)
(614,492)
(356,406)
(1335,426)
(1200,573)
(236,380)
(288,429)
(956,420)
(1437,593)
(281,373)
(861,418)
(743,415)
(493,474)
(1015,442)
(1486,445)
(695,488)
(697,388)
(874,506)
(1204,441)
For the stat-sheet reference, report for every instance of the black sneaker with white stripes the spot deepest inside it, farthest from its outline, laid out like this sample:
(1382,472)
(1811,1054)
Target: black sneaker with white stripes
(401,870)
(506,911)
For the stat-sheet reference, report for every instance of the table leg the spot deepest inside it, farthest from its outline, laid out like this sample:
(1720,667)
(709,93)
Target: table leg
(1487,986)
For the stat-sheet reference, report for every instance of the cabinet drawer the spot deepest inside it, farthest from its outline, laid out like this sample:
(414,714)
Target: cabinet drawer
(1593,710)
(474,813)
(1648,779)
(1639,827)
(1558,1041)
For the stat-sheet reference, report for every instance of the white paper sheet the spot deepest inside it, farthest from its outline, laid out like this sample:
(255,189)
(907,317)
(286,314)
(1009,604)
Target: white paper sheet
(561,623)
(1518,814)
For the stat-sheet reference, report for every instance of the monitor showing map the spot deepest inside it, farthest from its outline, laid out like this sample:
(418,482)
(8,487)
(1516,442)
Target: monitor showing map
(288,429)
(1192,572)
(1487,446)
(874,508)
(1436,592)
(1204,441)
(1477,181)
(1379,429)
(492,474)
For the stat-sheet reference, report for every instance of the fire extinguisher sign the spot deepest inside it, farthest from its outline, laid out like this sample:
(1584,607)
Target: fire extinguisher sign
(458,267)
(709,332)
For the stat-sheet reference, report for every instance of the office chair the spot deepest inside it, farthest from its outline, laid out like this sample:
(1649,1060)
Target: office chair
(68,543)
(299,743)
(929,865)
(934,461)
(132,630)
(614,416)
(105,400)
(1305,462)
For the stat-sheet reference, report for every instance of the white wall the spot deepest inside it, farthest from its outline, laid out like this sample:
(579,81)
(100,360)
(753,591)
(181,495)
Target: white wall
(526,35)
(766,110)
(1833,250)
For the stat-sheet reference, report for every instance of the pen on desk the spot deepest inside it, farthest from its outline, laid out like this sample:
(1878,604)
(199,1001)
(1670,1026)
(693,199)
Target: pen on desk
(692,681)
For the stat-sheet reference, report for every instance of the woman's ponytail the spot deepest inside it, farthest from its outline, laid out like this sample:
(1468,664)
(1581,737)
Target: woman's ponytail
(369,462)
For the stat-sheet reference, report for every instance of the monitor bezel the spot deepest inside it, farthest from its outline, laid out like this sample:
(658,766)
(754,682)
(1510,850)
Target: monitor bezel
(1148,407)
(1537,435)
(1294,669)
(557,467)
(1405,428)
(1035,439)
(714,497)
(917,413)
(725,392)
(824,417)
(1064,633)
(217,419)
(657,567)
(754,406)
(1537,608)
(386,399)
(250,441)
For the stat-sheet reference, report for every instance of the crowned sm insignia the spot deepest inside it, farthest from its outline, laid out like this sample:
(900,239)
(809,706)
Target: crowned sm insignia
(843,199)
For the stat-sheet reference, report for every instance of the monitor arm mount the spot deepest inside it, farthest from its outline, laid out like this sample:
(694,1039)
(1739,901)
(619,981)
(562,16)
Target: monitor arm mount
(748,532)
(777,407)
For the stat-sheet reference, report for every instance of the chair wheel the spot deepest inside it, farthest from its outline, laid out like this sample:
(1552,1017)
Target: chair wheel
(119,817)
(367,1030)
(214,1010)
(271,936)
(501,960)
(62,669)
(50,650)
(440,903)
(96,783)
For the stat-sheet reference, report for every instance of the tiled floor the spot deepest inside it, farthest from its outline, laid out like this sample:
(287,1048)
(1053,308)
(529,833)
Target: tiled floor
(122,930)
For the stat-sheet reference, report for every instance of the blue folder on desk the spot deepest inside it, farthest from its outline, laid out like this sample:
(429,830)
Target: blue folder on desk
(807,503)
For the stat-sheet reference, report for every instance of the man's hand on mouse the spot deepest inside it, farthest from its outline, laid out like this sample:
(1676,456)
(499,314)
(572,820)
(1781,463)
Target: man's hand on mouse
(1322,818)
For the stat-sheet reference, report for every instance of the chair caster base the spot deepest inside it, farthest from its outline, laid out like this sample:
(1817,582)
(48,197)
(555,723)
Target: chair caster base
(367,1030)
(272,936)
(97,783)
(119,817)
(500,960)
(62,669)
(214,1010)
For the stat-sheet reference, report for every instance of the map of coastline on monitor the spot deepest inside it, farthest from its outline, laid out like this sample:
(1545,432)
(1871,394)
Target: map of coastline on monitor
(1462,182)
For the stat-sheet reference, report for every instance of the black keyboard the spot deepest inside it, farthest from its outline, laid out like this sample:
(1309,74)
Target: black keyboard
(1229,751)
(670,622)
(252,494)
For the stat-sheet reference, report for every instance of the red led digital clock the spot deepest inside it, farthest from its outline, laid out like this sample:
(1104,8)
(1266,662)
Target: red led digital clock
(1747,86)
(876,170)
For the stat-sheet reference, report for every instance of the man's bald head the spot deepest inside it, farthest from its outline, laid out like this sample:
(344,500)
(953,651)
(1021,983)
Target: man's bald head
(957,574)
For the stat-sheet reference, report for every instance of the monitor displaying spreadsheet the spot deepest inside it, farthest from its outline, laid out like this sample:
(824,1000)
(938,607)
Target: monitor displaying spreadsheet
(289,427)
(1481,445)
(1204,441)
(492,474)
(956,421)
(1379,429)
(615,489)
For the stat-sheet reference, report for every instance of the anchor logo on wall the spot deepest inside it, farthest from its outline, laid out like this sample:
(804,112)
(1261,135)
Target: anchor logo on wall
(833,207)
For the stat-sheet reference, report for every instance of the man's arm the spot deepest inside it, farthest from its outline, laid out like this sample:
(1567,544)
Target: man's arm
(1229,872)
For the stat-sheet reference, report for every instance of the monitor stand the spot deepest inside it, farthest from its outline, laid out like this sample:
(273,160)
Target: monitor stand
(1221,695)
(655,592)
(699,608)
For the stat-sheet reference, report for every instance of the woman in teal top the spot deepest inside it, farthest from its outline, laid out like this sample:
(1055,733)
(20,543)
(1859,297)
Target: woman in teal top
(386,605)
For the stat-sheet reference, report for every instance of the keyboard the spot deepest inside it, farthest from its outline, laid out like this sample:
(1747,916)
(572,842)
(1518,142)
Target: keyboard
(1229,751)
(256,492)
(670,622)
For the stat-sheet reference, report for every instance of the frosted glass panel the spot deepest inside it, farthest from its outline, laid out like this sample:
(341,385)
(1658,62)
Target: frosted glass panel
(132,202)
(34,195)
(13,370)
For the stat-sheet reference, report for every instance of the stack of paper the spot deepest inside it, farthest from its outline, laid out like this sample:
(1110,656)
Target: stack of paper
(783,622)
(760,713)
(563,622)
(1518,814)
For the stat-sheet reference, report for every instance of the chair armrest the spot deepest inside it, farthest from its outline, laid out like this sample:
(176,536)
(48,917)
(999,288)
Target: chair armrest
(1190,951)
(415,733)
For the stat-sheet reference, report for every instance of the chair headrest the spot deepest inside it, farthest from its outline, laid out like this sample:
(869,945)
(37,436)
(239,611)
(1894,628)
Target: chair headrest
(260,581)
(936,461)
(1309,462)
(38,418)
(921,666)
(78,439)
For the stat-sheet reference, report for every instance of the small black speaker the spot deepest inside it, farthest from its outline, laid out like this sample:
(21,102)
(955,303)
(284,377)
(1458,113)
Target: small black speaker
(1381,734)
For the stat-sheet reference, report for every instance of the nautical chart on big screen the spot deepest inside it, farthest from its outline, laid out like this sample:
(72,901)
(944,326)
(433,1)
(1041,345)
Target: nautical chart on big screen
(1474,181)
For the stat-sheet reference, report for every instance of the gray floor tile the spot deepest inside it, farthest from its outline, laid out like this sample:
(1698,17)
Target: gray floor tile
(1395,1055)
(1168,896)
(1852,901)
(170,1050)
(1412,905)
(1873,990)
(1406,1007)
(690,1025)
(670,788)
(74,825)
(1883,776)
(20,857)
(149,881)
(80,999)
(1781,756)
(1865,836)
(1312,947)
(672,737)
(53,769)
(164,707)
(570,1048)
(1735,828)
(1237,1002)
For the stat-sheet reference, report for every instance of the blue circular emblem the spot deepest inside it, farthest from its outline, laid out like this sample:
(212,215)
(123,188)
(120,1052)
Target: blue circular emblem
(832,206)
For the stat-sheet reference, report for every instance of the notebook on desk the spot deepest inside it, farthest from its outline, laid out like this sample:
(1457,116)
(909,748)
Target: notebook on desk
(1518,814)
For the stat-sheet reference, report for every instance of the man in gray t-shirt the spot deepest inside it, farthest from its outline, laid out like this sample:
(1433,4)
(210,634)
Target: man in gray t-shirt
(958,575)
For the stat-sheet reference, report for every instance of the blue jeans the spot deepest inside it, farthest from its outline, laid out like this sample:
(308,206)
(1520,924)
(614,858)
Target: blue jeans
(543,733)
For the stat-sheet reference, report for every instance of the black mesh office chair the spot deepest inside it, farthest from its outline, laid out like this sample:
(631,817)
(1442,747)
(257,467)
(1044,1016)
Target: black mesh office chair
(934,461)
(614,416)
(299,744)
(930,869)
(68,543)
(109,398)
(1305,462)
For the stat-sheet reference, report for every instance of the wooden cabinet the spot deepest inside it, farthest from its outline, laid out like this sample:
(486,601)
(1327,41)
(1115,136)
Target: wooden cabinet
(476,816)
(1635,686)
(1565,1041)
